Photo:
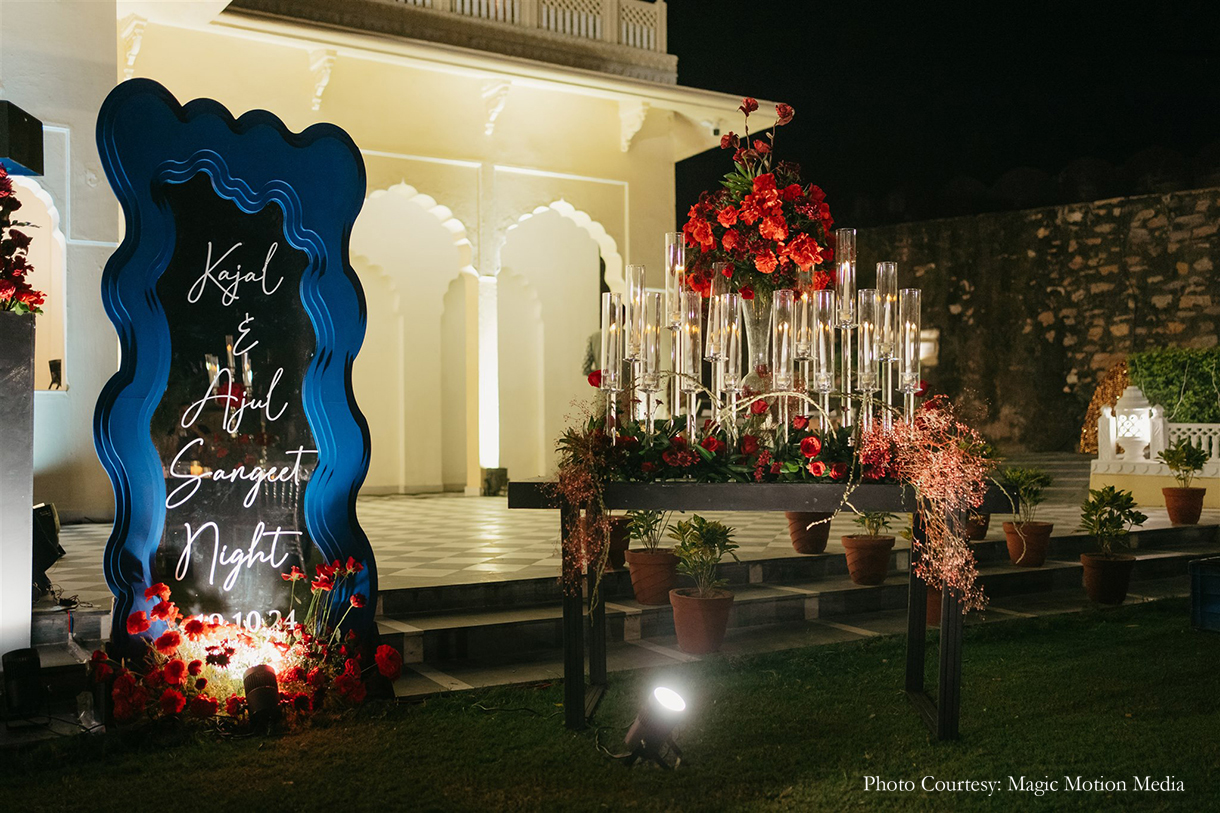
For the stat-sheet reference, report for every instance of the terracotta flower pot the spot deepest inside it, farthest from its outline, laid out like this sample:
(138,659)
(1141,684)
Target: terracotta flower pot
(977,525)
(1027,544)
(1106,578)
(700,623)
(1184,504)
(868,557)
(653,574)
(933,607)
(807,539)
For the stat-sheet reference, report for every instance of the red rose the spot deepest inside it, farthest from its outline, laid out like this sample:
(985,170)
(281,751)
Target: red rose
(838,471)
(765,261)
(164,611)
(712,444)
(817,468)
(764,183)
(783,114)
(731,240)
(747,292)
(137,623)
(758,407)
(172,702)
(389,662)
(235,705)
(168,643)
(194,667)
(727,216)
(791,192)
(202,706)
(748,105)
(811,446)
(175,672)
(159,590)
(773,228)
(800,422)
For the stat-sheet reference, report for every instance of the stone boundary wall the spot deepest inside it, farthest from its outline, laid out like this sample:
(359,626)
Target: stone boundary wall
(1034,306)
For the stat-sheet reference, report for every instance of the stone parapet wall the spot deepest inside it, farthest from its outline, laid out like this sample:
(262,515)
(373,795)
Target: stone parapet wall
(1034,306)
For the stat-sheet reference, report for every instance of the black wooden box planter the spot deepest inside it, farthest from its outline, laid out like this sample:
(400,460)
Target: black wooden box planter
(1204,593)
(940,715)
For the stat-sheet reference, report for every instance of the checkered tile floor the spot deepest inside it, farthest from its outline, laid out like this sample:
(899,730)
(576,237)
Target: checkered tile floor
(441,539)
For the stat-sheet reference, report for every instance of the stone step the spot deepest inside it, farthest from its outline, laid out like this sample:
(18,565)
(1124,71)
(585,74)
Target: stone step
(503,635)
(51,624)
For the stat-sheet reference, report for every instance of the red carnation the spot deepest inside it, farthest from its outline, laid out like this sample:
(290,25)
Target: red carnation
(172,701)
(195,667)
(194,628)
(169,642)
(758,407)
(203,706)
(817,468)
(727,216)
(748,105)
(159,590)
(765,261)
(357,600)
(294,575)
(389,662)
(137,623)
(731,240)
(783,114)
(201,684)
(811,446)
(774,228)
(175,672)
(235,705)
(164,611)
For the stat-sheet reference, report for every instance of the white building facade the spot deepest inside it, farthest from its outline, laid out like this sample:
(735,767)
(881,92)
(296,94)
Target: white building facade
(519,154)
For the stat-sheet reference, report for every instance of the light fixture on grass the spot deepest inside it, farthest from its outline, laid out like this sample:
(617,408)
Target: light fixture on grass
(262,697)
(653,728)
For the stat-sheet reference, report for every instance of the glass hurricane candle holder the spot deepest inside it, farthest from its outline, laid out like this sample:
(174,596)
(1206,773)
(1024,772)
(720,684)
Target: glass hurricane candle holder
(823,361)
(690,355)
(868,307)
(782,338)
(887,331)
(675,276)
(730,376)
(714,349)
(804,315)
(908,346)
(845,300)
(633,312)
(612,356)
(650,352)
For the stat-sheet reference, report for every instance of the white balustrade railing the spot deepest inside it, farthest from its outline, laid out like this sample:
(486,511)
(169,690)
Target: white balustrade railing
(1160,435)
(633,23)
(1204,435)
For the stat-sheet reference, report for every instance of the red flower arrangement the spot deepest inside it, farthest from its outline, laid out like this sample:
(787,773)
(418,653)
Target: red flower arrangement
(764,220)
(195,666)
(16,294)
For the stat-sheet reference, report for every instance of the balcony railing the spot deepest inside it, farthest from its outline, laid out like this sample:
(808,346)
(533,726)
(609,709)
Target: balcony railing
(633,23)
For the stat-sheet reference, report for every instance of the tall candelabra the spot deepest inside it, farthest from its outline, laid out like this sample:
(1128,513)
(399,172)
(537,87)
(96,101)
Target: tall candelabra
(878,333)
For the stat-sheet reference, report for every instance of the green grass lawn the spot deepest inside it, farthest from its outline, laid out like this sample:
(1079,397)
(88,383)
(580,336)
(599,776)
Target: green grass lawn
(1116,693)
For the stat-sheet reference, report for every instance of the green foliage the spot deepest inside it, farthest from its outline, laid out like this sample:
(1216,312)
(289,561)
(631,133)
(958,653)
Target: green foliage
(648,527)
(874,522)
(701,546)
(1107,515)
(1185,381)
(1029,483)
(1184,459)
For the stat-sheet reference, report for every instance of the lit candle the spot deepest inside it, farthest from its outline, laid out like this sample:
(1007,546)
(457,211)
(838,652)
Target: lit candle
(782,351)
(675,276)
(867,308)
(633,324)
(908,340)
(612,342)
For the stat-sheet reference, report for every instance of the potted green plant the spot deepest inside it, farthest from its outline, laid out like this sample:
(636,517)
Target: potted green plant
(654,570)
(1107,516)
(701,613)
(1184,503)
(1027,539)
(868,554)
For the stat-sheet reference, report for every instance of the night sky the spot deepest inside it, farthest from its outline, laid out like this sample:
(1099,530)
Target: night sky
(890,96)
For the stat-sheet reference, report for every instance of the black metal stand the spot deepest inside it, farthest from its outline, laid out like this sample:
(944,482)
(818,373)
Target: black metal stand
(941,716)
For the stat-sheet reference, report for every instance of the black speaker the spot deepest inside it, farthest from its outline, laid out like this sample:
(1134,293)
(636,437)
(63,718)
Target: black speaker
(47,550)
(24,694)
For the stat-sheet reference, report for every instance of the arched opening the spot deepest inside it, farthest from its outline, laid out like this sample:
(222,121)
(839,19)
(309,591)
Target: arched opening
(547,310)
(410,255)
(46,256)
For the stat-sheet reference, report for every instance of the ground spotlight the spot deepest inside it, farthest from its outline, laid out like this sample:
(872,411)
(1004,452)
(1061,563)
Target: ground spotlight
(262,697)
(653,728)
(24,693)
